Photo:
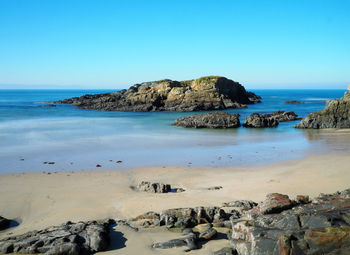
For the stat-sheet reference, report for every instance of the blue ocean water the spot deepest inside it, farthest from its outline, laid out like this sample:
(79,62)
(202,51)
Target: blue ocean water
(76,139)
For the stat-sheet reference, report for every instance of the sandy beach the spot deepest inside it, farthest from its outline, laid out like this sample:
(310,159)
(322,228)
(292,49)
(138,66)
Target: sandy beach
(39,200)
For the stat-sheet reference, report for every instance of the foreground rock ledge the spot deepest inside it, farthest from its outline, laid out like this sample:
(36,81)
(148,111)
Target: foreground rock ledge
(209,120)
(70,238)
(336,114)
(206,93)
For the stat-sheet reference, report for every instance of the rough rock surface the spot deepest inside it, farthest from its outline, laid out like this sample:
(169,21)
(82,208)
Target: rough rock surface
(154,187)
(209,120)
(321,227)
(206,93)
(282,116)
(336,114)
(4,223)
(70,238)
(257,120)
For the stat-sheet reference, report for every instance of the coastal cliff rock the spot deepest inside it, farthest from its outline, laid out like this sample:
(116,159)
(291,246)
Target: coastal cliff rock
(209,120)
(206,93)
(70,238)
(336,114)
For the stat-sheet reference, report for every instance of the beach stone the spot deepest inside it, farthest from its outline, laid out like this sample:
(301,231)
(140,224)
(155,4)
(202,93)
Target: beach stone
(302,199)
(4,223)
(225,251)
(257,120)
(208,234)
(203,94)
(154,187)
(69,238)
(336,114)
(245,204)
(215,188)
(275,203)
(209,120)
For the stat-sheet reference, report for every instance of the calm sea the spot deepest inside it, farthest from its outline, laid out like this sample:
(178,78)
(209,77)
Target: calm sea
(75,139)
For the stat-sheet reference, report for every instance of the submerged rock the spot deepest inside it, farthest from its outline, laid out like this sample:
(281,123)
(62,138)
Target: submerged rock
(209,120)
(70,238)
(206,93)
(293,102)
(283,116)
(336,114)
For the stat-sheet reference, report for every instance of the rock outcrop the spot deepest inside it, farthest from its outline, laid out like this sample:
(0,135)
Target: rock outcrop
(209,120)
(320,227)
(336,114)
(206,93)
(257,120)
(283,116)
(70,238)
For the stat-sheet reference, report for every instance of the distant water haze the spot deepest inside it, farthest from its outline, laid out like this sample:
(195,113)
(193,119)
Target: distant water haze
(75,139)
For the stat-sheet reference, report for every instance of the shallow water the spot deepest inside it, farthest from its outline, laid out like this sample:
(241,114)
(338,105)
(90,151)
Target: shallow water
(76,139)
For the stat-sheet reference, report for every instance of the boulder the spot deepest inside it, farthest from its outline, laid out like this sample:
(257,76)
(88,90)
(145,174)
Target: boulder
(336,114)
(275,203)
(209,120)
(67,239)
(154,187)
(203,94)
(257,120)
(4,223)
(225,251)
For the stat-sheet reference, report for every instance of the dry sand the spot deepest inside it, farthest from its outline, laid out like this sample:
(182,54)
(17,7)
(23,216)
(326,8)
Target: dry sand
(40,200)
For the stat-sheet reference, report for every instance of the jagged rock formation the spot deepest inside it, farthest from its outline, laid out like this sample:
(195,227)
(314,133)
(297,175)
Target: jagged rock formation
(70,238)
(154,187)
(283,116)
(206,93)
(209,120)
(293,102)
(336,114)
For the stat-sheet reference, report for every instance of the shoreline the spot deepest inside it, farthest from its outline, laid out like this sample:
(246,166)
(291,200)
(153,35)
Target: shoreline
(40,200)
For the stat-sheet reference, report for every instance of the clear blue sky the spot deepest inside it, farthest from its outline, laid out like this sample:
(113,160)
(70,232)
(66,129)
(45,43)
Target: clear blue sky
(114,44)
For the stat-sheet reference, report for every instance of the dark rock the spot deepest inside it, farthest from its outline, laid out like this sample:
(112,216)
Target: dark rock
(98,165)
(51,163)
(293,102)
(215,188)
(336,114)
(302,199)
(257,120)
(4,223)
(225,251)
(190,241)
(119,162)
(67,239)
(209,120)
(50,105)
(206,93)
(154,187)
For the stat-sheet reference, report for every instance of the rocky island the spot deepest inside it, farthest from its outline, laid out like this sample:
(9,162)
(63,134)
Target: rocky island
(336,114)
(206,93)
(209,120)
